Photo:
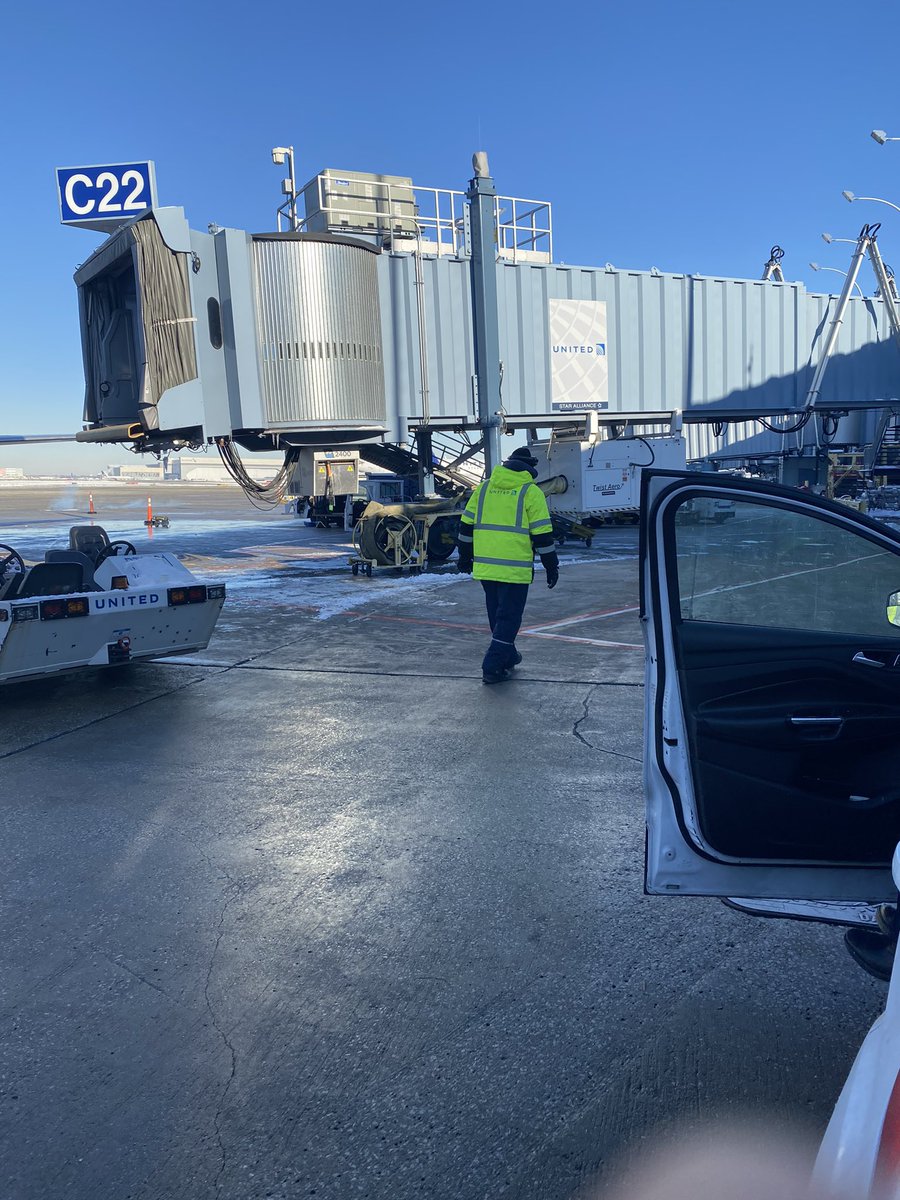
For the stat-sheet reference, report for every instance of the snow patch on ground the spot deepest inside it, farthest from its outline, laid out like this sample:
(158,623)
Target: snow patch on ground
(332,593)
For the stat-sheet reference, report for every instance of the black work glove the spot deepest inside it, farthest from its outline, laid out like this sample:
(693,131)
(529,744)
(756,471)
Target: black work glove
(466,562)
(551,568)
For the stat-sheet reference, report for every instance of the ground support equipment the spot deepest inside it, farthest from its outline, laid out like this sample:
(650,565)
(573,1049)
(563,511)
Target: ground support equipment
(411,536)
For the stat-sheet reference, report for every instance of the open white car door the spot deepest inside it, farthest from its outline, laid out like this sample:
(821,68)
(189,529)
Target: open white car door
(772,721)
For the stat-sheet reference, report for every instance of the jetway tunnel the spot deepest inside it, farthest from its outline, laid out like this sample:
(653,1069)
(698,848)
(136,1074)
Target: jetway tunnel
(281,340)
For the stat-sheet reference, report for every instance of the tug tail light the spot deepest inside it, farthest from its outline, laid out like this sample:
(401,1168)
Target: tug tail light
(195,594)
(55,610)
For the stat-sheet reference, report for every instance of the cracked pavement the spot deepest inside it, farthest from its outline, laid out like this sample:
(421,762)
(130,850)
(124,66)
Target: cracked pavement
(316,914)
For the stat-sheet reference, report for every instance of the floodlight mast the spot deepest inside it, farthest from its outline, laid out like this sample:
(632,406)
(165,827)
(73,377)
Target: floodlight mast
(850,197)
(837,271)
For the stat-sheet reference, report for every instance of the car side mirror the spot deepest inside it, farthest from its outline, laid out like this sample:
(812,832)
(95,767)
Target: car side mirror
(893,608)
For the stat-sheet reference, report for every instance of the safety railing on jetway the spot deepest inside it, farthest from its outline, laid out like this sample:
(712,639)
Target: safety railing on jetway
(399,213)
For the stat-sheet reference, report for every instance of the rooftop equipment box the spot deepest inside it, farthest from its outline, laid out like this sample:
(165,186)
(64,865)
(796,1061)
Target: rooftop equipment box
(604,475)
(354,201)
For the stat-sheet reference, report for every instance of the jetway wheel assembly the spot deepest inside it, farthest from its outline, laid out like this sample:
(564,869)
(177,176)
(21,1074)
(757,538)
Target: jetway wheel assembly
(564,528)
(440,537)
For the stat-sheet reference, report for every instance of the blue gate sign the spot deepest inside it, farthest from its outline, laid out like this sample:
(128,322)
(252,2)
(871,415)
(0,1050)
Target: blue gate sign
(103,197)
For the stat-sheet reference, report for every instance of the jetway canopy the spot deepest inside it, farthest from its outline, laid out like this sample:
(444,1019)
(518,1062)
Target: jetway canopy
(317,339)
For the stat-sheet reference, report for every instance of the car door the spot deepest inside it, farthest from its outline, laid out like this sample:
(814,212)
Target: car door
(772,706)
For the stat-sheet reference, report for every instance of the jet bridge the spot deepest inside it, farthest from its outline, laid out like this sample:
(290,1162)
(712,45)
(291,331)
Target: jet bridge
(367,335)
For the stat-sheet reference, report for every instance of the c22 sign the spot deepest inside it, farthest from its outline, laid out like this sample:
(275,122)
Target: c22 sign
(102,197)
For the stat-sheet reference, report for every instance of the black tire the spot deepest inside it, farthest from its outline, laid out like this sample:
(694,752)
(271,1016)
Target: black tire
(441,541)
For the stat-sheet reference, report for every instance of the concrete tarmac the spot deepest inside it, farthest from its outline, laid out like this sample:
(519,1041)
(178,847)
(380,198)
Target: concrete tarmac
(318,914)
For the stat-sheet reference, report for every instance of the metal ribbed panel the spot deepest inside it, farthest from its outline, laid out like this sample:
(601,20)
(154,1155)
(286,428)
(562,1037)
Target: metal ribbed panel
(865,364)
(319,332)
(674,342)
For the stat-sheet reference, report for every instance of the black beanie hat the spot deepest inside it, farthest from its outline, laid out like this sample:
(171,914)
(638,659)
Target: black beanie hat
(522,460)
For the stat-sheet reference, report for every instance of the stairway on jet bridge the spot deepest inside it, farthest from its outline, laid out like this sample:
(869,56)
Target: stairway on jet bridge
(887,454)
(457,462)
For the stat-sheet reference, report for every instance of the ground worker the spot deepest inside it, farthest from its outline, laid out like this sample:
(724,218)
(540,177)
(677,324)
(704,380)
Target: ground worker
(506,523)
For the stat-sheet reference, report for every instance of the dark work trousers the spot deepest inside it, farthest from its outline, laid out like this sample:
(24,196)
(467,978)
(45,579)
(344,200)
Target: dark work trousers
(505,606)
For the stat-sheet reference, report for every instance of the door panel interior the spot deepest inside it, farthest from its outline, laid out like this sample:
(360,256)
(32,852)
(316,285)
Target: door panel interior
(795,748)
(786,667)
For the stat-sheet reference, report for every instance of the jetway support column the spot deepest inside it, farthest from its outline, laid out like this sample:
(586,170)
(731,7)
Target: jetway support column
(481,196)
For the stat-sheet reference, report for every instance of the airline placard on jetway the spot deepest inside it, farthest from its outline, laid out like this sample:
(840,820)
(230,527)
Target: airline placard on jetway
(103,197)
(579,371)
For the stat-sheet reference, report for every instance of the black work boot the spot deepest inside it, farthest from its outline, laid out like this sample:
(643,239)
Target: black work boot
(872,950)
(517,658)
(495,676)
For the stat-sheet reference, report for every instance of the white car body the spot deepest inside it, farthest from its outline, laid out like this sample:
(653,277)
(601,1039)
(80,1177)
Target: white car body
(859,1153)
(772,739)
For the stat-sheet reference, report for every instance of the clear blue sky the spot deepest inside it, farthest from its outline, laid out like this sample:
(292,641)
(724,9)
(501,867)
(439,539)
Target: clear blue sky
(688,136)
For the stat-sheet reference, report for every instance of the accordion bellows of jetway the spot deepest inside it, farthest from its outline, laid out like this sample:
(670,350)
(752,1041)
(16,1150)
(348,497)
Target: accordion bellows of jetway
(323,339)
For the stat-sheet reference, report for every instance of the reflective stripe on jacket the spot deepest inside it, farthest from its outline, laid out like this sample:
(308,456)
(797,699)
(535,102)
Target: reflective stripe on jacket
(507,521)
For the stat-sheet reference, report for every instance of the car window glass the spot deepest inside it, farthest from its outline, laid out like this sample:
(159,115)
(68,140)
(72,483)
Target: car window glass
(750,563)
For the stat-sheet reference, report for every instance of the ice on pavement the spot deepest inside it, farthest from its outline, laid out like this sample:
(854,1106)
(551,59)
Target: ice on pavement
(330,593)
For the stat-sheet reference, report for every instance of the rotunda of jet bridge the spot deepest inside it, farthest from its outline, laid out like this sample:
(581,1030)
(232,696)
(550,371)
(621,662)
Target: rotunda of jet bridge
(318,328)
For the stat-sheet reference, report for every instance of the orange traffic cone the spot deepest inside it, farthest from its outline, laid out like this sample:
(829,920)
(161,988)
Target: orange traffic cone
(91,503)
(149,511)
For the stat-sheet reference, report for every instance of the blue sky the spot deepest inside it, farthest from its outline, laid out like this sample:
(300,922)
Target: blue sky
(690,137)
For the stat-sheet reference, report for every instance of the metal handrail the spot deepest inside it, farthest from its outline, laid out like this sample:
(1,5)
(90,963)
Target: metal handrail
(529,227)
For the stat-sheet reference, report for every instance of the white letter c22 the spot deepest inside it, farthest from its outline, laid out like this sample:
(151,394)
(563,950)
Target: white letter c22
(80,210)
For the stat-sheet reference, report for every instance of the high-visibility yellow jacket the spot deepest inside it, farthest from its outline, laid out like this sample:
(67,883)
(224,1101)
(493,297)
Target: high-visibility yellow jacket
(508,522)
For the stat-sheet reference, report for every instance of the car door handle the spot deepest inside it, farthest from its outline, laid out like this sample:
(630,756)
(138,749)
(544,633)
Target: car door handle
(817,722)
(817,729)
(866,660)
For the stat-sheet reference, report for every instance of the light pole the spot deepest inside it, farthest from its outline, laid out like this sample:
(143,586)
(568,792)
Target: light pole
(875,199)
(289,185)
(837,271)
(881,137)
(826,237)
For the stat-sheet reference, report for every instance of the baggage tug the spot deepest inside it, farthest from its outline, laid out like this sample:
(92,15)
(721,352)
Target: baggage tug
(99,604)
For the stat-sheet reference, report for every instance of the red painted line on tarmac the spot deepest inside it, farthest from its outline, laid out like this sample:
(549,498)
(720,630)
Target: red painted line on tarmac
(424,621)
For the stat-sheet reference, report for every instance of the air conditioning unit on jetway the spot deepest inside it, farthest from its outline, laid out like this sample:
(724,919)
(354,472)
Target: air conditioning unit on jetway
(272,339)
(603,473)
(325,473)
